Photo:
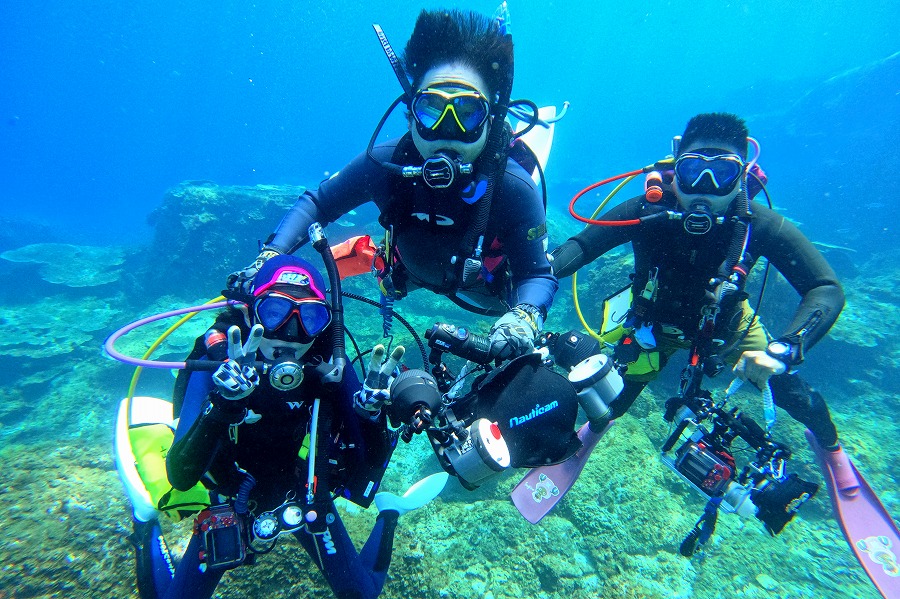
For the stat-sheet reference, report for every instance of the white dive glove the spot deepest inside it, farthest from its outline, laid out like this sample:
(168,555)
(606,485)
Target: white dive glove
(375,391)
(236,378)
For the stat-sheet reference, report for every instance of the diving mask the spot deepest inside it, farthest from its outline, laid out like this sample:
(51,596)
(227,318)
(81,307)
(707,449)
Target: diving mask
(700,174)
(450,111)
(292,319)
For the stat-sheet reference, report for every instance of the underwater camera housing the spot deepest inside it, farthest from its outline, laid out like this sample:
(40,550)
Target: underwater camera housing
(703,458)
(222,537)
(520,413)
(468,431)
(472,452)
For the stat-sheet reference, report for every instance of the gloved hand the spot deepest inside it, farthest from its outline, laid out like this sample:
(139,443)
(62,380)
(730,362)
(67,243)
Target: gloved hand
(375,391)
(757,367)
(236,378)
(514,333)
(240,280)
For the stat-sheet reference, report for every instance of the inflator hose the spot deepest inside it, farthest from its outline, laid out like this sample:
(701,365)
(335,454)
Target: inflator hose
(494,155)
(320,244)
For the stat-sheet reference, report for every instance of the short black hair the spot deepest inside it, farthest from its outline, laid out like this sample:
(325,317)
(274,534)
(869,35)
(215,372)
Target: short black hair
(454,36)
(717,126)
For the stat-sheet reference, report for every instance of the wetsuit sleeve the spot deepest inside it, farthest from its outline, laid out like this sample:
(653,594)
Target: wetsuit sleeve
(202,430)
(804,267)
(524,240)
(359,182)
(596,240)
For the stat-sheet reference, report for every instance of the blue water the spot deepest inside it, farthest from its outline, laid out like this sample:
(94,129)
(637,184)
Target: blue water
(104,105)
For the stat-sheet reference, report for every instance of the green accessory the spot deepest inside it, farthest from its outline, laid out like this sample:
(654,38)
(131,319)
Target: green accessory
(150,443)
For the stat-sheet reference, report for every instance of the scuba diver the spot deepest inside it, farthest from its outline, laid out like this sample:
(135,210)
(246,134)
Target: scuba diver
(275,435)
(694,247)
(463,218)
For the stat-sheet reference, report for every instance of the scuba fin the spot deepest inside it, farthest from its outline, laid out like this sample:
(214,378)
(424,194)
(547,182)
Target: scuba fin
(418,495)
(542,488)
(868,527)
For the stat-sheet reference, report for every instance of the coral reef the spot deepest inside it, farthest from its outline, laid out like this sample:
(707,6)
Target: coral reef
(71,265)
(205,228)
(615,535)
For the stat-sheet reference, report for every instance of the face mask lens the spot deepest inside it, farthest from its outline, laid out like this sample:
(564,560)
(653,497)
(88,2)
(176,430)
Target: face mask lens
(471,111)
(273,311)
(315,317)
(428,109)
(700,174)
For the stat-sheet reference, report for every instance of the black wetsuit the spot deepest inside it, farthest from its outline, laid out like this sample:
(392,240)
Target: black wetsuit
(210,444)
(686,264)
(429,225)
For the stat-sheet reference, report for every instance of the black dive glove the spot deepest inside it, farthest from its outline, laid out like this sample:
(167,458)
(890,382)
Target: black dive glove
(241,280)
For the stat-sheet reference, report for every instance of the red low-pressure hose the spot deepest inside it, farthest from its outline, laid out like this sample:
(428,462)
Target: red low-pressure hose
(608,223)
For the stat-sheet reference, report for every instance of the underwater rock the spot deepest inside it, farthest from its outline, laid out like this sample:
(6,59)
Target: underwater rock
(766,582)
(205,231)
(71,265)
(62,534)
(836,102)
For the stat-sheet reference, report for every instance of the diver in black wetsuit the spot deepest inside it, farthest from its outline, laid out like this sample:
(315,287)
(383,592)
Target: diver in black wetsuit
(675,261)
(246,432)
(464,219)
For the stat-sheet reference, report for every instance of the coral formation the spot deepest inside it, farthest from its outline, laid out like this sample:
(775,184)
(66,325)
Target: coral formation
(210,231)
(71,265)
(615,535)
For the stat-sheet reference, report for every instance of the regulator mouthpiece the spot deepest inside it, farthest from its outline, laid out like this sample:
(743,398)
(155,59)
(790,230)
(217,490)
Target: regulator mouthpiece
(439,171)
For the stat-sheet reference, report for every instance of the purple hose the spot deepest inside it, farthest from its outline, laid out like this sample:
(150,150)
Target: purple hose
(111,351)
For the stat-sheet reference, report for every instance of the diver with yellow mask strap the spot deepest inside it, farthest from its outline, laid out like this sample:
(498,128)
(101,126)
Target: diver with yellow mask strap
(466,219)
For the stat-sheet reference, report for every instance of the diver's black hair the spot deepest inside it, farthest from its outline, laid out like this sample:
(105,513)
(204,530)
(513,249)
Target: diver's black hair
(454,36)
(717,126)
